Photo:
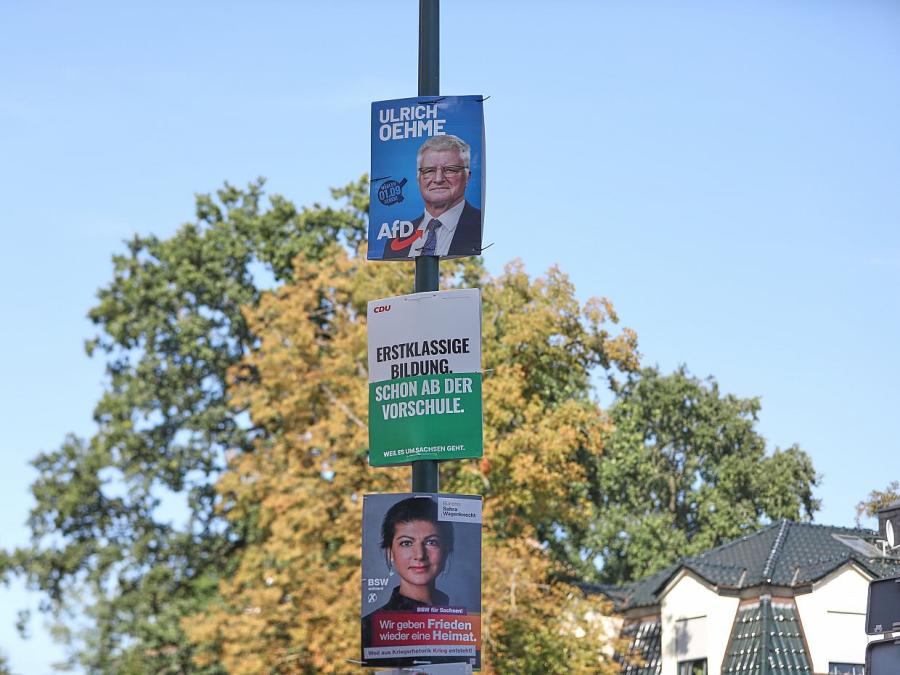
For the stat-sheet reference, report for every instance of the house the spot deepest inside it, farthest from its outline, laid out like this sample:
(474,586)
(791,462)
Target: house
(788,599)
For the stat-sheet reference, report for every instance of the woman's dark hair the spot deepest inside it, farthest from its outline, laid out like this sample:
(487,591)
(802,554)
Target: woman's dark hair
(410,509)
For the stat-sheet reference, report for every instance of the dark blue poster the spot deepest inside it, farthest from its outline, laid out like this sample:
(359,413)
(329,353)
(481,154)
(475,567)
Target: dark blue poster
(427,188)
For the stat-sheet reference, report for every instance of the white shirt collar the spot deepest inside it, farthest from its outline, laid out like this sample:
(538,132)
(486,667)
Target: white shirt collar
(449,220)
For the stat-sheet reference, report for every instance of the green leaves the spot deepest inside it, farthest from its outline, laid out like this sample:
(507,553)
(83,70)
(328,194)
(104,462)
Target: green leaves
(170,326)
(292,603)
(235,354)
(685,470)
(4,665)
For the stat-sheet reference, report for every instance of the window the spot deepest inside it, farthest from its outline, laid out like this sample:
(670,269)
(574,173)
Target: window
(695,667)
(846,669)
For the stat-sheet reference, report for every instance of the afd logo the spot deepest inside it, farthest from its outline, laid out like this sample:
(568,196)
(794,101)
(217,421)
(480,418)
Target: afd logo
(382,308)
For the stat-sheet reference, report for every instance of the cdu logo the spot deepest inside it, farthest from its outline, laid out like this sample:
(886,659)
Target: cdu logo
(381,308)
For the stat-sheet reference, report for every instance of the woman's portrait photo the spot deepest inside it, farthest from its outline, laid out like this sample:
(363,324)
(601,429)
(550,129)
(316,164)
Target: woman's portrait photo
(421,577)
(416,546)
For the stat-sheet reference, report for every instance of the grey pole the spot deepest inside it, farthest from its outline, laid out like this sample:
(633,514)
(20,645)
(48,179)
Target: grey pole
(425,472)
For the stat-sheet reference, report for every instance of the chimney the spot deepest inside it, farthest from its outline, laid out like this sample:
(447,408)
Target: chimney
(889,524)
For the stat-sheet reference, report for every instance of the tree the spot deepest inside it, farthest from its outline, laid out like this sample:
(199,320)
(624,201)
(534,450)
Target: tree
(245,409)
(292,604)
(877,500)
(116,573)
(684,470)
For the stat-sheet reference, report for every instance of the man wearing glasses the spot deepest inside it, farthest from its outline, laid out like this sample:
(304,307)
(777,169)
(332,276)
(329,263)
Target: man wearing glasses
(450,226)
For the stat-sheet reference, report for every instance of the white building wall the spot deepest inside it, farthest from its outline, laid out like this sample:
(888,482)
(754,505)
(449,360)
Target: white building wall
(696,622)
(834,618)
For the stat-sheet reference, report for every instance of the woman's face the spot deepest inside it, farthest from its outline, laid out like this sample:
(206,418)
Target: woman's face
(418,552)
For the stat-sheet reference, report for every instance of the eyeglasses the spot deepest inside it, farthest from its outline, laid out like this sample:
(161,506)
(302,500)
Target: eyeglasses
(451,171)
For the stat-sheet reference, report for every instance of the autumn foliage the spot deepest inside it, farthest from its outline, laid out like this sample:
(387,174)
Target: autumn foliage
(293,603)
(246,409)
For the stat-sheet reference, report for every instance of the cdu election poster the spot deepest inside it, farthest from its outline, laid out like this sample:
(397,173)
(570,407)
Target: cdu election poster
(425,377)
(421,579)
(427,187)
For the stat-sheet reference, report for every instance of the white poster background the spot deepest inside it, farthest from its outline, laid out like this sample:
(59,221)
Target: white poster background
(432,669)
(433,315)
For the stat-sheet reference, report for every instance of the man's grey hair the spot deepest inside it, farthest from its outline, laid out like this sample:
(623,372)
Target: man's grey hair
(445,142)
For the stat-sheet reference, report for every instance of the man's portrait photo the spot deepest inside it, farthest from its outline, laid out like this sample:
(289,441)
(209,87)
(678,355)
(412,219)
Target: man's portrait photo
(450,225)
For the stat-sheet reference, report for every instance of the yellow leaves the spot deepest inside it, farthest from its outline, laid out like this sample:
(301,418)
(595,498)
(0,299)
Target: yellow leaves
(292,604)
(622,350)
(503,399)
(535,621)
(600,310)
(293,601)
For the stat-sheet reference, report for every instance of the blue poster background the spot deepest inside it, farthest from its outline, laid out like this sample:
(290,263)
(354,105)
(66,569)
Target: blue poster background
(394,159)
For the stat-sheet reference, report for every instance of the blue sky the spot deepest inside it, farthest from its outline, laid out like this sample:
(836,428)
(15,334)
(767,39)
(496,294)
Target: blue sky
(725,172)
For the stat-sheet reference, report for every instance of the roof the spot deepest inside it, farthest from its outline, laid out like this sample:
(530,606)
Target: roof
(770,631)
(786,553)
(645,646)
(639,593)
(893,506)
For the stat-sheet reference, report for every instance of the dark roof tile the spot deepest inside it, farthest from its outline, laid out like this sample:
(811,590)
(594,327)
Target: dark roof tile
(783,554)
(766,632)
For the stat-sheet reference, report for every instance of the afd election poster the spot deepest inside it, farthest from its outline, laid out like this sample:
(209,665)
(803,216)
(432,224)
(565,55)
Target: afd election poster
(421,579)
(425,377)
(427,186)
